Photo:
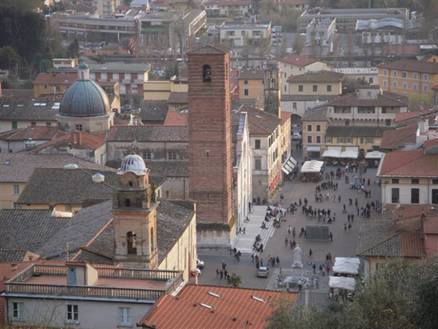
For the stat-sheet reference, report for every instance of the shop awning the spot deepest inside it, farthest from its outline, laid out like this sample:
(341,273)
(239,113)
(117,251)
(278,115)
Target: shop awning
(346,265)
(332,152)
(350,153)
(313,148)
(289,165)
(341,282)
(312,166)
(374,155)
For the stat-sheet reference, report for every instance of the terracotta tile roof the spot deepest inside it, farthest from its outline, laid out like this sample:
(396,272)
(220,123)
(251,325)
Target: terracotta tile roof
(385,239)
(260,123)
(148,134)
(252,75)
(298,60)
(284,116)
(18,167)
(412,163)
(236,308)
(176,118)
(320,76)
(315,114)
(427,145)
(412,65)
(394,139)
(407,116)
(35,133)
(75,140)
(56,78)
(385,99)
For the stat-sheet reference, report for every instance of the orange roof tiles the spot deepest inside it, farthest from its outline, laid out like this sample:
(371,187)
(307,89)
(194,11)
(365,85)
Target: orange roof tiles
(77,140)
(284,117)
(176,118)
(412,163)
(234,309)
(393,139)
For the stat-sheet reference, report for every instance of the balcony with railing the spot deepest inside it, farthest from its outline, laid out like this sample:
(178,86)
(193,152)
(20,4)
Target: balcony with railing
(134,285)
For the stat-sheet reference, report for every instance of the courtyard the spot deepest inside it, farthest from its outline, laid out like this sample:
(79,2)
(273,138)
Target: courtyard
(345,240)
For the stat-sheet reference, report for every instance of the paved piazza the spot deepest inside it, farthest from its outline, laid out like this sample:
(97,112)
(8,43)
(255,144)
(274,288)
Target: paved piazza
(344,241)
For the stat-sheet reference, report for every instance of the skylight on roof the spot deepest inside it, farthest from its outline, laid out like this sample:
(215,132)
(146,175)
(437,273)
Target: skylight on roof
(261,300)
(211,293)
(206,306)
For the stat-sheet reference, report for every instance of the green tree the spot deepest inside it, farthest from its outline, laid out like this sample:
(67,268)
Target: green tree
(234,280)
(9,59)
(398,296)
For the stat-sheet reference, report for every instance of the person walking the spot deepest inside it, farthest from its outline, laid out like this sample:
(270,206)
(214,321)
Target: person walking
(331,236)
(310,252)
(286,241)
(289,230)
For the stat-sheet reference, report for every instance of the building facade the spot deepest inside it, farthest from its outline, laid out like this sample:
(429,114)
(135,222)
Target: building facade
(252,87)
(242,167)
(245,34)
(320,83)
(131,77)
(409,77)
(296,65)
(410,176)
(54,295)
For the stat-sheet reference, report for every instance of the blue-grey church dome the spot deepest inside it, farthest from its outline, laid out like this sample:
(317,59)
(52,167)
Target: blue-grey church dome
(84,98)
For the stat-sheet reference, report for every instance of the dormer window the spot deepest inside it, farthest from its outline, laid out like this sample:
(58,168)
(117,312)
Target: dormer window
(206,73)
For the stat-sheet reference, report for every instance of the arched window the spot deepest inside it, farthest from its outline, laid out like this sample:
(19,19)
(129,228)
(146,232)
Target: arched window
(131,242)
(152,239)
(206,73)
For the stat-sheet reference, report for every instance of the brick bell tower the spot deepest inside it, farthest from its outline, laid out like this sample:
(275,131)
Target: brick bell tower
(135,216)
(210,146)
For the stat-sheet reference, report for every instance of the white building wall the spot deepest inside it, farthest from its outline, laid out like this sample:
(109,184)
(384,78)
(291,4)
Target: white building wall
(405,193)
(92,315)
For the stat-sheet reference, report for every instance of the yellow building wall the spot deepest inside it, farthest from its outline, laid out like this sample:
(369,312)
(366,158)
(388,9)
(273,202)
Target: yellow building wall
(179,87)
(7,195)
(285,137)
(256,91)
(183,255)
(336,88)
(414,84)
(364,143)
(156,90)
(314,133)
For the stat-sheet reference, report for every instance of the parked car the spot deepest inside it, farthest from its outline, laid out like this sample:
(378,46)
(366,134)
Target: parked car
(263,272)
(200,264)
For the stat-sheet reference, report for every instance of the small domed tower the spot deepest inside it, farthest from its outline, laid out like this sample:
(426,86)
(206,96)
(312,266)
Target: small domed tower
(135,216)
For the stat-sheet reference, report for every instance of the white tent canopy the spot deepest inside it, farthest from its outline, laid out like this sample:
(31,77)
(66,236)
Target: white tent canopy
(332,152)
(341,282)
(374,155)
(312,166)
(346,265)
(350,153)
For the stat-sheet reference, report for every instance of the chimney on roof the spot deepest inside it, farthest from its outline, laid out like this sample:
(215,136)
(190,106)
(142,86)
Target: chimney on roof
(80,274)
